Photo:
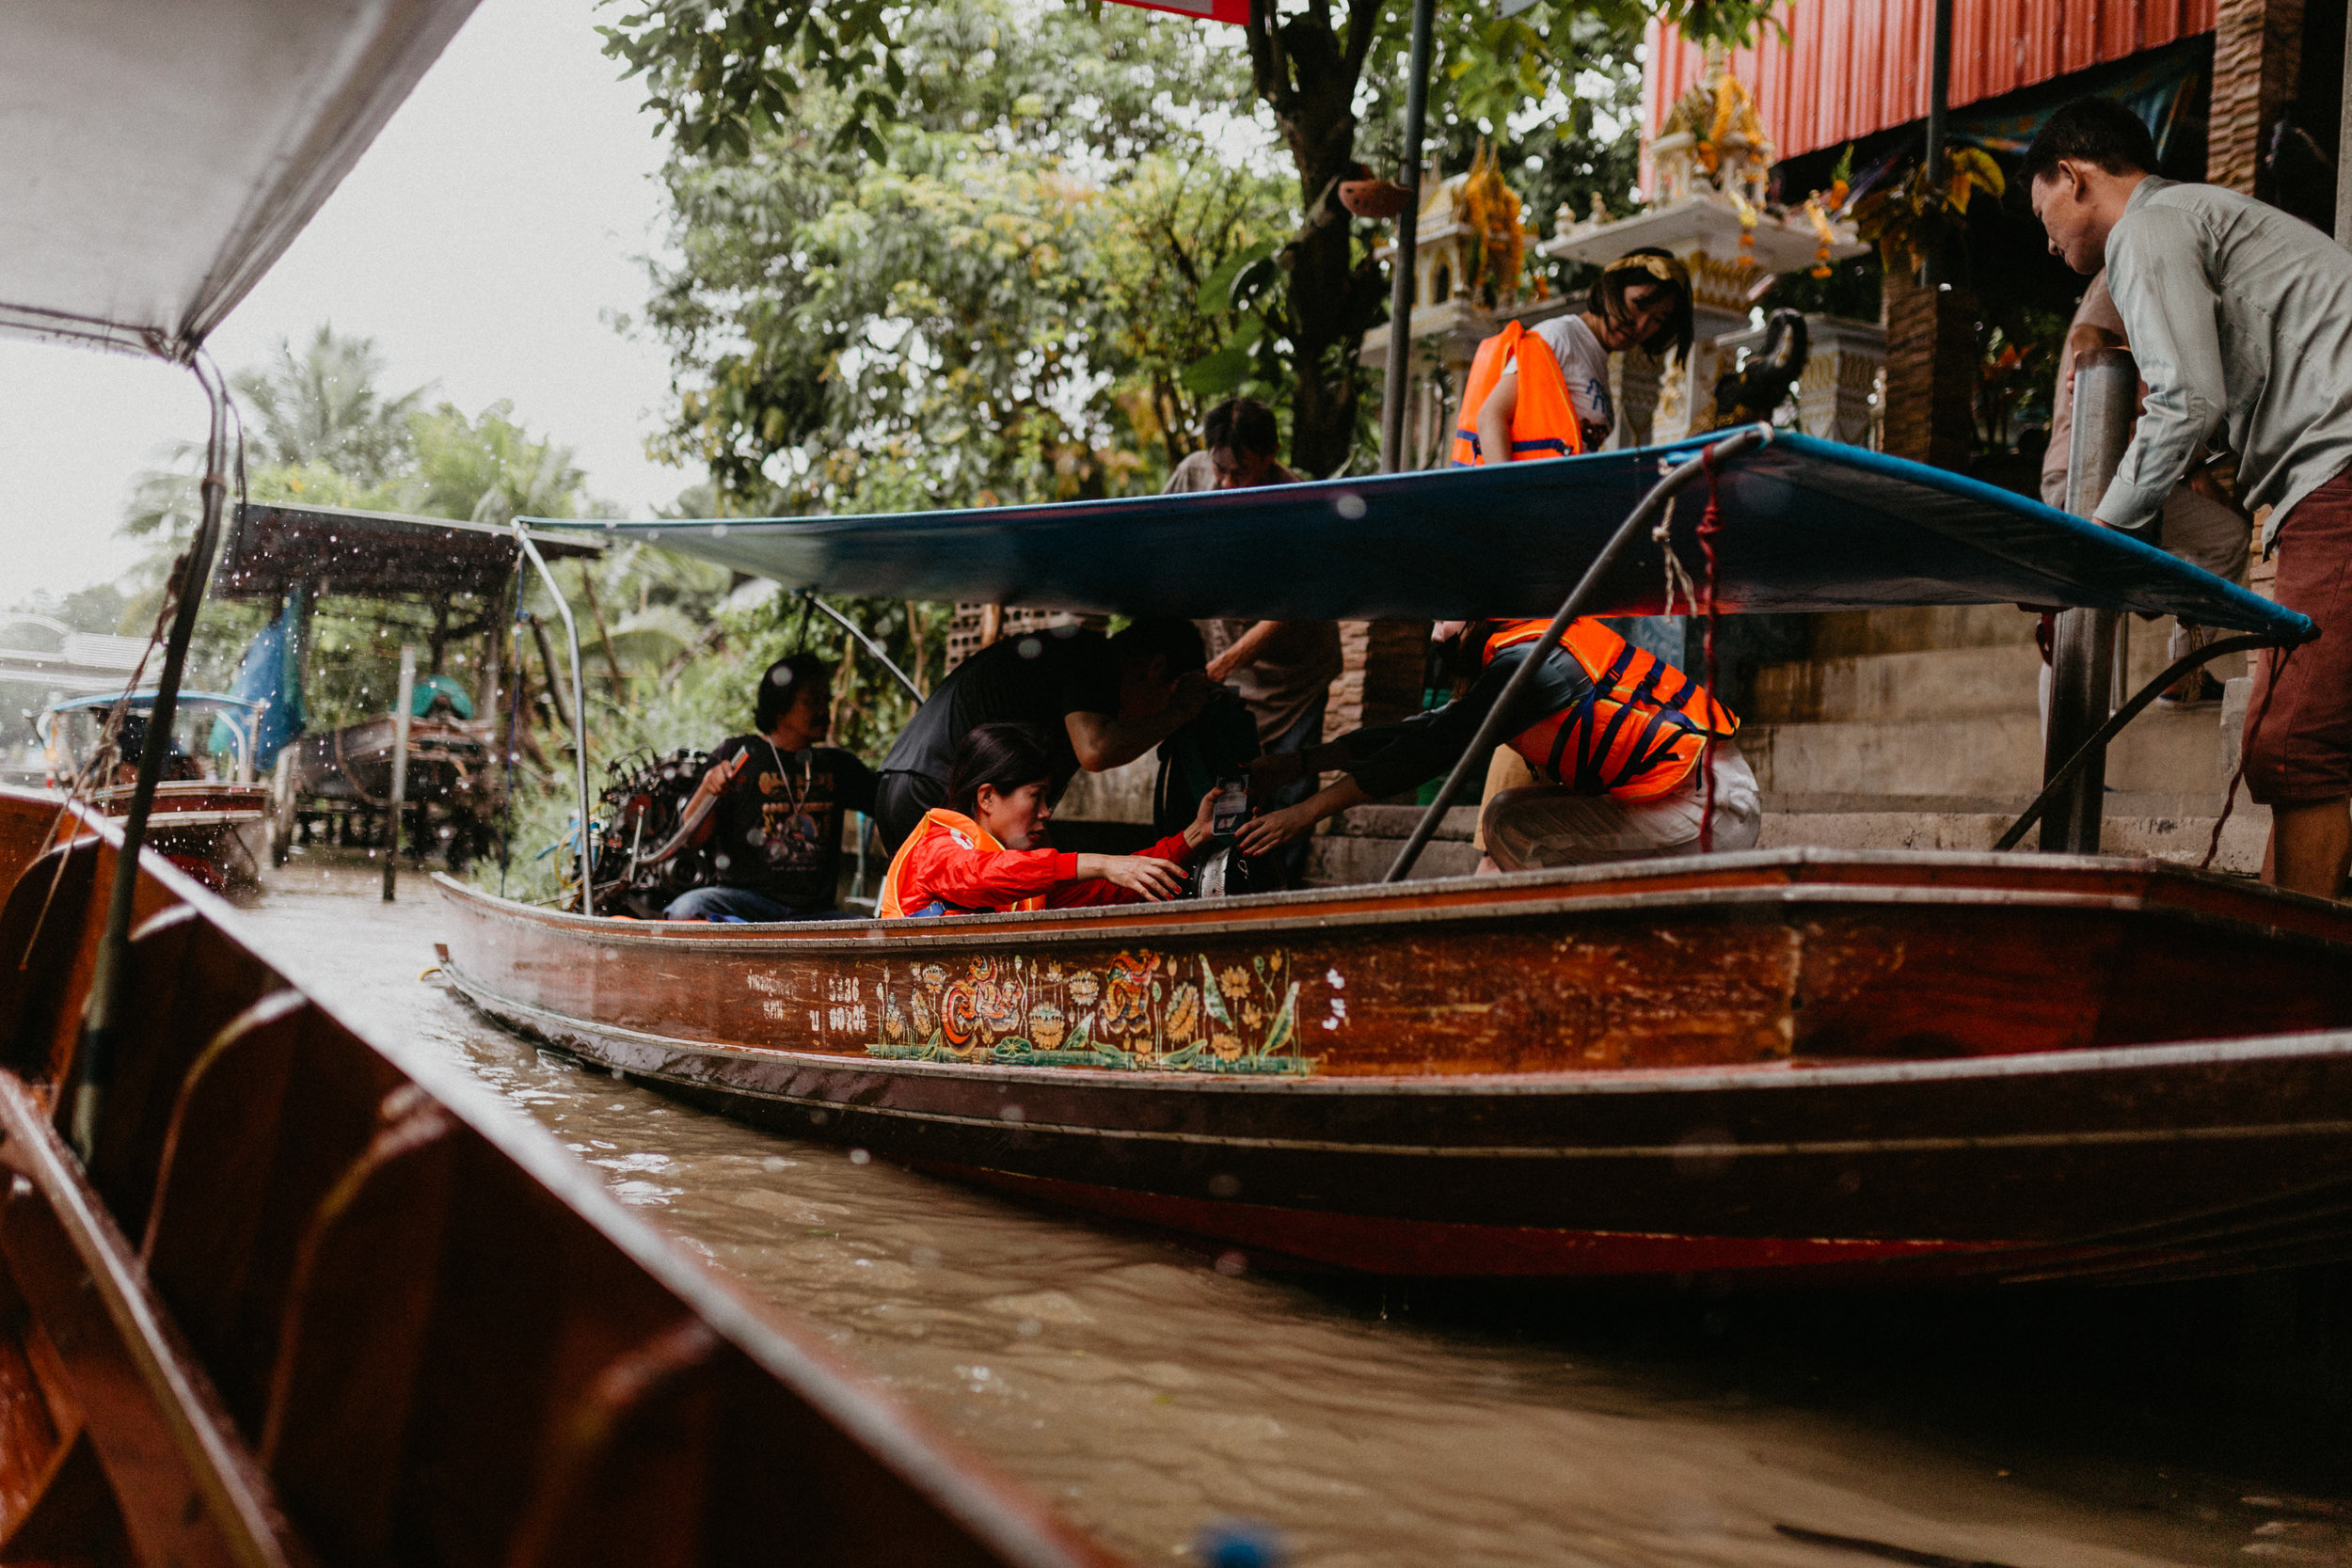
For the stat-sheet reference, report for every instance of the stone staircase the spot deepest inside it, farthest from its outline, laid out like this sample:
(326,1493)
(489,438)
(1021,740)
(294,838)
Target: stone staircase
(1921,729)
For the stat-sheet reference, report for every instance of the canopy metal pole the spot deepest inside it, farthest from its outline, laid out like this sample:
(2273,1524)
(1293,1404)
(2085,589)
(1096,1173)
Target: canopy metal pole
(2082,653)
(1639,519)
(580,721)
(1939,112)
(109,992)
(808,596)
(1397,388)
(400,766)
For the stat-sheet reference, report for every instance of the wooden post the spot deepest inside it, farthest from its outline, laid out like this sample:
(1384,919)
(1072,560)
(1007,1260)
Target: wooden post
(2082,657)
(400,765)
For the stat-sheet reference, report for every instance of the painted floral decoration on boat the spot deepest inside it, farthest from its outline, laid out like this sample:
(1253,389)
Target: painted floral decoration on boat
(1142,1009)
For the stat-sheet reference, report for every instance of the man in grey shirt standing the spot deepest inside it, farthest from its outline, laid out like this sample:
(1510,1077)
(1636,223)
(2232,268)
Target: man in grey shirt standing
(2240,317)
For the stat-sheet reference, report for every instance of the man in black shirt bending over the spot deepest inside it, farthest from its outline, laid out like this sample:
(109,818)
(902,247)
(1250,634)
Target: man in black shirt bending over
(774,801)
(1096,703)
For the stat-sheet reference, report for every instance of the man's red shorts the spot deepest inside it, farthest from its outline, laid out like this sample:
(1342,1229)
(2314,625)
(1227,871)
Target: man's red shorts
(2301,752)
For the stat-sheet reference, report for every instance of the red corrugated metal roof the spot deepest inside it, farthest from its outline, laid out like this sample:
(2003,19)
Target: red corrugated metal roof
(1850,67)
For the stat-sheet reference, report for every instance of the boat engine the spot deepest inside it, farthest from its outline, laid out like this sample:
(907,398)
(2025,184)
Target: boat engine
(641,865)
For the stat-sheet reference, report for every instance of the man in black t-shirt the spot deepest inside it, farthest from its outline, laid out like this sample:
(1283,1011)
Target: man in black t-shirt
(1095,703)
(773,801)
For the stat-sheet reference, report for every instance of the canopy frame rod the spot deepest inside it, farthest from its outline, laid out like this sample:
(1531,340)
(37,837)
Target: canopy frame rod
(809,596)
(109,993)
(1642,518)
(2097,743)
(580,719)
(1403,279)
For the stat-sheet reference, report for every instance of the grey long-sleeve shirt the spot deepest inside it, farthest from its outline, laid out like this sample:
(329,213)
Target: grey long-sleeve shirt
(2241,319)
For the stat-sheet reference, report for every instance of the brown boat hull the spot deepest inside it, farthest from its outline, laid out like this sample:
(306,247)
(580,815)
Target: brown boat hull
(313,1298)
(1773,1066)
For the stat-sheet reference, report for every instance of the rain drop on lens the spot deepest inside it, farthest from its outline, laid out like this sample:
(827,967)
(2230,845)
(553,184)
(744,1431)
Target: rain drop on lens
(859,1157)
(1349,505)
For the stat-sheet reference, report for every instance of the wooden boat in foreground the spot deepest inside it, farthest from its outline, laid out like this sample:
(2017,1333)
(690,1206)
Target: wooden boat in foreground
(317,1298)
(1773,1065)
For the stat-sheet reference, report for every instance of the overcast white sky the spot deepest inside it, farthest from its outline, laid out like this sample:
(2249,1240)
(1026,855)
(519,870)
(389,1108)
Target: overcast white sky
(478,242)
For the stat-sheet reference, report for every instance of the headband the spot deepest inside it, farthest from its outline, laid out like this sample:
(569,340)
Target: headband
(1664,268)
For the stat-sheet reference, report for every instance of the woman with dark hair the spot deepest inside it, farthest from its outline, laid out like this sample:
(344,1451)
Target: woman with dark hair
(987,848)
(1551,400)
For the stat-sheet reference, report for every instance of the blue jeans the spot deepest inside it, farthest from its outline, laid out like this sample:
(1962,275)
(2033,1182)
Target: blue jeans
(1305,732)
(737,904)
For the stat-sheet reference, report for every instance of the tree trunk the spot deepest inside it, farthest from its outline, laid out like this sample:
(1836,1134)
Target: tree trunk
(1307,74)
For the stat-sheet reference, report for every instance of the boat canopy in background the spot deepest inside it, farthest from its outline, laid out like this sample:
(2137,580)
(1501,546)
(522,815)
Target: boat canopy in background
(273,550)
(157,157)
(1806,525)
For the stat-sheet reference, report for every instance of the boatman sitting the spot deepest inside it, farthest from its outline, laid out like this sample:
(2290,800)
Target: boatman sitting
(2240,318)
(1097,702)
(987,848)
(1283,669)
(770,804)
(1612,737)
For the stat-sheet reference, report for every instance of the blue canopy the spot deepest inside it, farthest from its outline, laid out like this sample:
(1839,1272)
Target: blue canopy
(1805,525)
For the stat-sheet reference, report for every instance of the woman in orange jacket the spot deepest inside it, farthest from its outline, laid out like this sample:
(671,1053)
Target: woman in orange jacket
(1544,393)
(987,848)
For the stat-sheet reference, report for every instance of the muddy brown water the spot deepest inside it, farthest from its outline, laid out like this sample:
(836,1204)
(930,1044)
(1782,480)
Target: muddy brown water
(1146,1390)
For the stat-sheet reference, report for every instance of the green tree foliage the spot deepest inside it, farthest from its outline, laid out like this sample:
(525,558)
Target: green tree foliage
(724,76)
(322,407)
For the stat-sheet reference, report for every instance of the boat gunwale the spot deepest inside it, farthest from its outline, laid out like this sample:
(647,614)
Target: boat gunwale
(1464,900)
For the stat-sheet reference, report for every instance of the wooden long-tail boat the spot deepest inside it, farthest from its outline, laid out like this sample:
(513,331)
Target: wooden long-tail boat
(1772,1065)
(1889,1066)
(316,1297)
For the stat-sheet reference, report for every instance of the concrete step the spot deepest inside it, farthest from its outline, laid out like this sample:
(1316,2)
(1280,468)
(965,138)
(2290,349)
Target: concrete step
(1359,845)
(1929,685)
(2181,752)
(2165,836)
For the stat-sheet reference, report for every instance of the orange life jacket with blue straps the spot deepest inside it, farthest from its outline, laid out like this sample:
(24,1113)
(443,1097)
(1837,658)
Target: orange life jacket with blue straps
(1544,425)
(1637,734)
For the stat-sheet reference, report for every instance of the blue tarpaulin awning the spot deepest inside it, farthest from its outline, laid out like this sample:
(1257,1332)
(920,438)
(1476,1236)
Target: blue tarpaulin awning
(1806,525)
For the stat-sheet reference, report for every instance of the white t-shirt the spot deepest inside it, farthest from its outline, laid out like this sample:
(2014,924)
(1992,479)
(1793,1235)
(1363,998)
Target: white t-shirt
(1585,364)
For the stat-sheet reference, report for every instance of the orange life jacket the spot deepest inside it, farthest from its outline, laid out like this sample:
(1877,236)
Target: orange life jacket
(898,889)
(1640,731)
(1545,423)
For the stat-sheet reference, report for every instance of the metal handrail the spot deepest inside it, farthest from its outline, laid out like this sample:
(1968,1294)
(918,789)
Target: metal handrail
(2125,715)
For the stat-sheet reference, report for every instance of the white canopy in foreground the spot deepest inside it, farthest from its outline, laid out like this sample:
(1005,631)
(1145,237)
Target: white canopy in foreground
(157,155)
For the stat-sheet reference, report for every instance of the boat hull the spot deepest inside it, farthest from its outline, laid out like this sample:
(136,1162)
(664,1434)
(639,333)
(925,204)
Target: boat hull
(1777,1067)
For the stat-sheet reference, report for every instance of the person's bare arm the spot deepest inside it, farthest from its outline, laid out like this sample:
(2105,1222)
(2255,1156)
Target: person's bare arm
(1243,652)
(1103,742)
(700,820)
(1278,828)
(1494,418)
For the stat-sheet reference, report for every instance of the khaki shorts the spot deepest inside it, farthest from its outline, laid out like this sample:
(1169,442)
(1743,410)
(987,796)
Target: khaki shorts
(1552,824)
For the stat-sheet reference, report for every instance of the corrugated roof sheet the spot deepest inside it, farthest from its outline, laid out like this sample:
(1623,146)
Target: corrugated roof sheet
(1847,68)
